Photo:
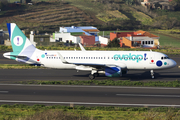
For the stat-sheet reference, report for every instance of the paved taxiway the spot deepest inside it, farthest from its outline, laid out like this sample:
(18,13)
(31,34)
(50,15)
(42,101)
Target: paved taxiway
(123,96)
(13,75)
(89,95)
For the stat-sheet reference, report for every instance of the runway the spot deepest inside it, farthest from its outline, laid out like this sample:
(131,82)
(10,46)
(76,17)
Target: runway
(89,95)
(86,95)
(14,75)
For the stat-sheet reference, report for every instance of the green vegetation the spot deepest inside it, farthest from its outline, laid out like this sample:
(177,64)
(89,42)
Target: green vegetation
(107,82)
(56,112)
(164,49)
(19,66)
(113,43)
(167,40)
(173,33)
(48,16)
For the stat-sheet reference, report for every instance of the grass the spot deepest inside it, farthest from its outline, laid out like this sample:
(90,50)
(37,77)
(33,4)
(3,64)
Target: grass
(108,32)
(171,32)
(168,40)
(56,112)
(170,14)
(107,82)
(166,50)
(19,66)
(111,16)
(145,19)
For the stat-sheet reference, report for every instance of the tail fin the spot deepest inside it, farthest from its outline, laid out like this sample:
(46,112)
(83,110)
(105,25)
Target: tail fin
(19,41)
(21,45)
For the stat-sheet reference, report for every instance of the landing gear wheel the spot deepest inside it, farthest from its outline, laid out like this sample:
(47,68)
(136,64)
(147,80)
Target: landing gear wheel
(152,74)
(96,74)
(91,76)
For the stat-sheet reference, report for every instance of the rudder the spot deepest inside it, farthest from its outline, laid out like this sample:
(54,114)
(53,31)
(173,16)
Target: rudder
(19,41)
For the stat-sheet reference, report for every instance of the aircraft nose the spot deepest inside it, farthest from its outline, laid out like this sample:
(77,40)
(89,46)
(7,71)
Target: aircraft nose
(173,63)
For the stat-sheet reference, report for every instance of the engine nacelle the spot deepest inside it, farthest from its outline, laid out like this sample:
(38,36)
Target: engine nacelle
(124,72)
(113,71)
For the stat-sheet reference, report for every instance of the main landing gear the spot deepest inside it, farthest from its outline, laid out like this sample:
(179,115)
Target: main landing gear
(152,74)
(93,74)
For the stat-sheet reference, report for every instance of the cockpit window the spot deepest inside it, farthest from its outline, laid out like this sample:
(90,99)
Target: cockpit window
(164,58)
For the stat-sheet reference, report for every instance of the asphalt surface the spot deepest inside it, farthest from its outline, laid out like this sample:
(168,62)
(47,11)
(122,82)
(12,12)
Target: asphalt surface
(86,95)
(92,95)
(13,75)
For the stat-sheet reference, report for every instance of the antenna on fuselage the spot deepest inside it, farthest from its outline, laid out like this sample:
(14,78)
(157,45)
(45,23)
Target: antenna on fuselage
(82,48)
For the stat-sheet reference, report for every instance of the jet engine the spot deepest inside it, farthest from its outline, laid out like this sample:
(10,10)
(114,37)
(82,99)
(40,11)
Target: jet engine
(113,71)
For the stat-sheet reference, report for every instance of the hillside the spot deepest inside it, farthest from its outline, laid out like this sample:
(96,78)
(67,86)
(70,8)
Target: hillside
(48,16)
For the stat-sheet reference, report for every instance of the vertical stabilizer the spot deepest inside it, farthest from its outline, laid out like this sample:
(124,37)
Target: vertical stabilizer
(20,43)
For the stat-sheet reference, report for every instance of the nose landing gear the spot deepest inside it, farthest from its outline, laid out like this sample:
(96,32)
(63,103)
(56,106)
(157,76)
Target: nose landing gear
(152,74)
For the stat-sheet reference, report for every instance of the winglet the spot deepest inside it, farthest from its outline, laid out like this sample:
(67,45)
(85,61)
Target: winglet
(82,48)
(62,59)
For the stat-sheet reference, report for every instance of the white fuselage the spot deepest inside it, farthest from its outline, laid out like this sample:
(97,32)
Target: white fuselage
(138,60)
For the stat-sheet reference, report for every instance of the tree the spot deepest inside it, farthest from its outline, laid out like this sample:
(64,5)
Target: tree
(176,4)
(3,4)
(113,43)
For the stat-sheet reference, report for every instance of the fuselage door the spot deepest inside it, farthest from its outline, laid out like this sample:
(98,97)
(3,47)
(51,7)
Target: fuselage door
(151,58)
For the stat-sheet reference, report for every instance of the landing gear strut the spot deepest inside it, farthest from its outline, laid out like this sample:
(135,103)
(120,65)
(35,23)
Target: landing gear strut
(152,74)
(93,74)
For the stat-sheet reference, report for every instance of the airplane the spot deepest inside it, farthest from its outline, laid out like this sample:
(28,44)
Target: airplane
(110,63)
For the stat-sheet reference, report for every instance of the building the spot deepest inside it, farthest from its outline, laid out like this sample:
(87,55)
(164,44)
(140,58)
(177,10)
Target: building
(158,4)
(136,39)
(87,35)
(41,39)
(4,36)
(67,37)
